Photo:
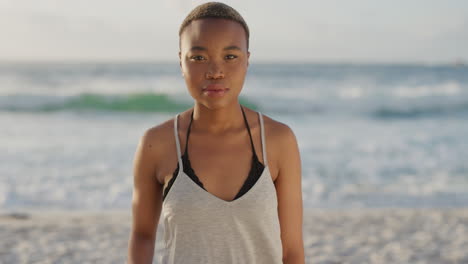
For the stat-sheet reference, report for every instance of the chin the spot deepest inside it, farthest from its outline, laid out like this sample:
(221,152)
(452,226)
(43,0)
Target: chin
(216,104)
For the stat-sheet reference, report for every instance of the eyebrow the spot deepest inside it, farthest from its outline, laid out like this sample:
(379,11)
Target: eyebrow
(233,47)
(200,48)
(197,48)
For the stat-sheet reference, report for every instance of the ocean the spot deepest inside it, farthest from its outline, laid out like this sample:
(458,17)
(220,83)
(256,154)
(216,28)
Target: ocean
(370,135)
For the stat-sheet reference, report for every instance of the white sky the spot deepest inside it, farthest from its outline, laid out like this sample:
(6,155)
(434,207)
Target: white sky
(303,30)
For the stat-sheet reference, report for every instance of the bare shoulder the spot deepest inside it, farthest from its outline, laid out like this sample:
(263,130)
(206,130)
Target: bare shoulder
(278,133)
(161,132)
(158,135)
(282,147)
(157,141)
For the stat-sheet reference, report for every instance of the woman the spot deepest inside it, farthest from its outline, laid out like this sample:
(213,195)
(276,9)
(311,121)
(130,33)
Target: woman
(227,179)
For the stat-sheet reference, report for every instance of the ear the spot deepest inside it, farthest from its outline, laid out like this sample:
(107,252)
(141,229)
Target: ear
(248,56)
(180,63)
(180,60)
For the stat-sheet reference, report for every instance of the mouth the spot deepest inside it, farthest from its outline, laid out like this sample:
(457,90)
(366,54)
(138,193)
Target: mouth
(215,90)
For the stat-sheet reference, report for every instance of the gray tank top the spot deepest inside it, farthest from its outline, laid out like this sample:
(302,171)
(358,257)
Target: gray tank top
(200,227)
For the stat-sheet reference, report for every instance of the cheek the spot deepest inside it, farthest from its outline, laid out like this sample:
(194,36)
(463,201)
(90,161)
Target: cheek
(193,73)
(238,71)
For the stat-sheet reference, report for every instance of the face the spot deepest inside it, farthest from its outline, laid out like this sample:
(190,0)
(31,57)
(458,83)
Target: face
(214,60)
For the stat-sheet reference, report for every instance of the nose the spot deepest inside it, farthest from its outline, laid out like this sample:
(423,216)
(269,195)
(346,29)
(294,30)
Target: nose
(214,71)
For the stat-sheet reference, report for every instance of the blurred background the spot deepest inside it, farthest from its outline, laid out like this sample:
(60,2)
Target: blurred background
(376,92)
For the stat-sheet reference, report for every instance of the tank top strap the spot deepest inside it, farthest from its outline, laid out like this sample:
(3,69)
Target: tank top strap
(188,133)
(262,132)
(176,135)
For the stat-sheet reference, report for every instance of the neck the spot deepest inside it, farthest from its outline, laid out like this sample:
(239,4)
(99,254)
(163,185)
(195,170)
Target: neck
(219,120)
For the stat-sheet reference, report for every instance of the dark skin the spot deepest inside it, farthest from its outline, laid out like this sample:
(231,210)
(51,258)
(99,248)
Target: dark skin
(215,51)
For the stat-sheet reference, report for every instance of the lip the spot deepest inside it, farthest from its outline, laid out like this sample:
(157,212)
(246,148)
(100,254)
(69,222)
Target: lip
(215,90)
(214,87)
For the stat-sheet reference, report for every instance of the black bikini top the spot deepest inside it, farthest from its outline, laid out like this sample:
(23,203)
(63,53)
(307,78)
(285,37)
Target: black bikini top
(256,168)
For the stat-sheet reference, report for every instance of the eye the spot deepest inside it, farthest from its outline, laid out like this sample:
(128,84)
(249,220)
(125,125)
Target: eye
(197,58)
(231,57)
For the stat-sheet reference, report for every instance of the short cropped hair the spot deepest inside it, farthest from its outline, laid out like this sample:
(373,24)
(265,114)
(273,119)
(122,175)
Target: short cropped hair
(214,10)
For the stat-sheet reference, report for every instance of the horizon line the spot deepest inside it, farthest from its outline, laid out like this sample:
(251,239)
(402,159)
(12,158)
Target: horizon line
(456,62)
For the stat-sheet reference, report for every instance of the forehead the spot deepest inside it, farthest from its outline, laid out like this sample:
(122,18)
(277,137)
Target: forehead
(212,32)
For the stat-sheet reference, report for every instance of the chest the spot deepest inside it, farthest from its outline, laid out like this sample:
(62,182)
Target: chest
(230,156)
(222,163)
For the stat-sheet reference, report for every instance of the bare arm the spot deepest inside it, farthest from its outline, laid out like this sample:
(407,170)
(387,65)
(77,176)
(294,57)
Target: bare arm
(289,189)
(146,204)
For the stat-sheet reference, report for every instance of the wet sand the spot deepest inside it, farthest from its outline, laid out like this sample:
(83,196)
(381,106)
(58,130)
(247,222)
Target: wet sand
(432,236)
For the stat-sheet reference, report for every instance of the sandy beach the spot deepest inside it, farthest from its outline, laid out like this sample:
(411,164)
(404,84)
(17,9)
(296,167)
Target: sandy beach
(432,236)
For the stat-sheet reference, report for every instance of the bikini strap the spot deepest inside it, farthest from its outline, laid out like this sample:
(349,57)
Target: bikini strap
(248,130)
(190,126)
(176,135)
(262,131)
